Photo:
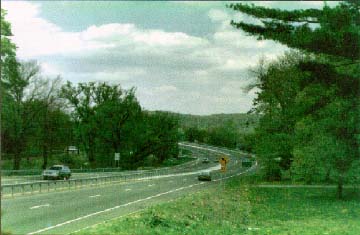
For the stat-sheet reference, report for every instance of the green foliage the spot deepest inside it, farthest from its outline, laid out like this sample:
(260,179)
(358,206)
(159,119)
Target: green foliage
(7,47)
(338,34)
(159,137)
(17,121)
(110,120)
(227,130)
(310,104)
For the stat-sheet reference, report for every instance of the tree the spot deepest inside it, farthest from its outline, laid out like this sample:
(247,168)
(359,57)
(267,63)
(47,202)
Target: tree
(17,112)
(159,137)
(117,113)
(325,103)
(53,127)
(193,134)
(102,105)
(338,34)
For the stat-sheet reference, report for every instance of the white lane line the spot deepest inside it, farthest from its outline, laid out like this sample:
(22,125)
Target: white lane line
(251,168)
(113,208)
(128,189)
(150,185)
(130,203)
(214,168)
(36,207)
(98,195)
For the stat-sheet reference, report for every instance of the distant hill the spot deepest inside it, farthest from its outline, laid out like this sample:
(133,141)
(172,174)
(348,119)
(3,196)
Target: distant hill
(242,122)
(227,130)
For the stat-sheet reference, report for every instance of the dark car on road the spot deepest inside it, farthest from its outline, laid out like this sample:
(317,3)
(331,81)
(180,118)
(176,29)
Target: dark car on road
(57,172)
(204,176)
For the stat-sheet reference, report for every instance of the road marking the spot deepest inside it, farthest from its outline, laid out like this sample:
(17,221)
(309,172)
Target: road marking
(98,195)
(150,185)
(113,208)
(228,177)
(133,202)
(36,207)
(128,189)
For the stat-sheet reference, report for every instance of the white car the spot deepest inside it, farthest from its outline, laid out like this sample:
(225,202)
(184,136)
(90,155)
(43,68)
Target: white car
(57,172)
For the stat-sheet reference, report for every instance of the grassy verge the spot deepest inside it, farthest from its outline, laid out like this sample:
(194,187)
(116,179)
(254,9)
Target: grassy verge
(238,208)
(176,161)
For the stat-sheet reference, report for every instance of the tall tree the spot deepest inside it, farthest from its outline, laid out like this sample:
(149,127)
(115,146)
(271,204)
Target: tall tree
(158,135)
(102,105)
(327,101)
(18,112)
(117,113)
(51,121)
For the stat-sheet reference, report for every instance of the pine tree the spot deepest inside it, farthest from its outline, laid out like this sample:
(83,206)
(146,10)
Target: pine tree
(325,136)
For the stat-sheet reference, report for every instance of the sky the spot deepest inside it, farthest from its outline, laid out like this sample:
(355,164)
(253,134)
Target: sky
(180,56)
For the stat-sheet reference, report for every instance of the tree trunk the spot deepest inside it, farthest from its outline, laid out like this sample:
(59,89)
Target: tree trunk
(91,156)
(340,187)
(45,157)
(17,160)
(327,176)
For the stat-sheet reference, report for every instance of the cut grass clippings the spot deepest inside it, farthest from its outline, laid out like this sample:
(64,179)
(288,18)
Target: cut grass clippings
(236,207)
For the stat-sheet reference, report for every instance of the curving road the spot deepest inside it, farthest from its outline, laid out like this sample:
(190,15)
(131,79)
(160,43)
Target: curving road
(68,211)
(32,178)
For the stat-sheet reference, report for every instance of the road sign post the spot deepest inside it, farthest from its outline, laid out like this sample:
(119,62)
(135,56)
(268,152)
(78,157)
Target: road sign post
(117,159)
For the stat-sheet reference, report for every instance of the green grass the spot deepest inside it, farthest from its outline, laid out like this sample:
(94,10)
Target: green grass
(238,208)
(176,161)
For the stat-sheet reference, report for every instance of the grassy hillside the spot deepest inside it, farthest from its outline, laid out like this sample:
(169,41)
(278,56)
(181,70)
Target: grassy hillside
(236,207)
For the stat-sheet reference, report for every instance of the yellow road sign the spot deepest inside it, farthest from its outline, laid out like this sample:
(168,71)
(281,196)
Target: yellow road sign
(223,161)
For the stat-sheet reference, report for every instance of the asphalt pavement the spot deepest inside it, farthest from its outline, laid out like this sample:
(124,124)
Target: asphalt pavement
(68,211)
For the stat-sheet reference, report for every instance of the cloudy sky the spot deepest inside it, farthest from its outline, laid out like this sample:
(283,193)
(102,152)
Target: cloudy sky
(181,56)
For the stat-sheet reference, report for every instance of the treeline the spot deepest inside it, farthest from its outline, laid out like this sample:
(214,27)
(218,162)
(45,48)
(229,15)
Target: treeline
(309,98)
(41,116)
(226,130)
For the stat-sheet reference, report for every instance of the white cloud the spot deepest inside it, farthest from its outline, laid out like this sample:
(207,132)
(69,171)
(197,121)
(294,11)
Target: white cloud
(35,36)
(217,15)
(50,69)
(166,88)
(172,70)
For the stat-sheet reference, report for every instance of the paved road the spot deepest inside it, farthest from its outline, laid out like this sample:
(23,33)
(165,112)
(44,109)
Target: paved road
(68,211)
(196,164)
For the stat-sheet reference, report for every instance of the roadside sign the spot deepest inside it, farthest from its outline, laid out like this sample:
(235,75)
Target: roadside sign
(117,156)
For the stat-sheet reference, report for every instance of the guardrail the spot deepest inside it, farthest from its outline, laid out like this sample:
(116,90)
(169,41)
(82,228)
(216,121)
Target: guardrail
(39,171)
(57,185)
